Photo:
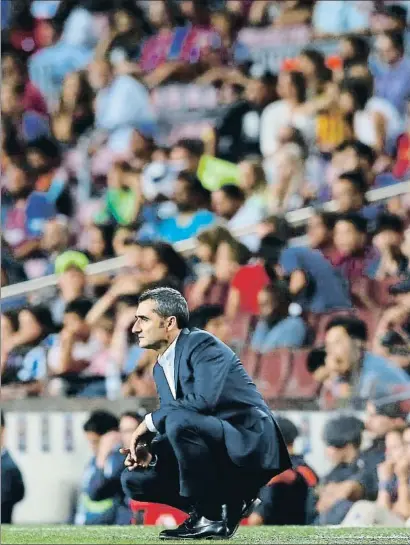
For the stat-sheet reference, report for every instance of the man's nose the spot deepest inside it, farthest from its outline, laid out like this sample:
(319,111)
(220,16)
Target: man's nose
(136,328)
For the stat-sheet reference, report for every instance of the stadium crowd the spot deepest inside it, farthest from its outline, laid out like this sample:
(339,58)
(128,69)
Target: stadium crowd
(132,127)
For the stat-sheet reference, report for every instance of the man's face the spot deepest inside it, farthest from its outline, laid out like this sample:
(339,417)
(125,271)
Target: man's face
(180,159)
(386,50)
(127,427)
(394,446)
(150,328)
(335,455)
(55,236)
(220,328)
(182,196)
(223,206)
(317,232)
(379,424)
(347,238)
(93,440)
(17,180)
(346,196)
(72,283)
(342,352)
(257,92)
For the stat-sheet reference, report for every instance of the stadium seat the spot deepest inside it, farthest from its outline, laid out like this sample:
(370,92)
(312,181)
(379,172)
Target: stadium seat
(274,371)
(300,384)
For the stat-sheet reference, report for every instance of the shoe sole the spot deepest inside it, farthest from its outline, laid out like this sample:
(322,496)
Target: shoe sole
(245,514)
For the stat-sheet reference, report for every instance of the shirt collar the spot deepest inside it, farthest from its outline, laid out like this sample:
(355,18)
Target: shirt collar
(169,353)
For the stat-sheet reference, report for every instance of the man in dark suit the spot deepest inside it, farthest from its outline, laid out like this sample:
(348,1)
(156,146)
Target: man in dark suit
(216,442)
(12,485)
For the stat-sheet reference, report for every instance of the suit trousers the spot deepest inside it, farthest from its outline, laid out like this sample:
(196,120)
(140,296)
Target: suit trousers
(192,467)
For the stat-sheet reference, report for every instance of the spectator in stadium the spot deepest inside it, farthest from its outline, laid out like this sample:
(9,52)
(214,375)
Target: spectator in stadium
(211,318)
(207,242)
(391,65)
(401,167)
(354,372)
(24,220)
(24,366)
(293,487)
(74,354)
(192,201)
(14,70)
(185,155)
(229,203)
(376,122)
(252,181)
(237,130)
(392,506)
(347,481)
(320,227)
(51,178)
(353,256)
(98,242)
(101,431)
(354,51)
(105,481)
(286,112)
(349,192)
(74,114)
(72,284)
(277,327)
(28,124)
(12,484)
(56,239)
(392,335)
(388,237)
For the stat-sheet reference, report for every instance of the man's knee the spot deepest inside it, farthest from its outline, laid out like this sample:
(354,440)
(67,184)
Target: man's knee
(135,484)
(178,422)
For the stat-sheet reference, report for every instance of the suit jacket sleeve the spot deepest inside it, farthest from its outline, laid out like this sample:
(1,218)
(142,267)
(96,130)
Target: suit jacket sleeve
(210,369)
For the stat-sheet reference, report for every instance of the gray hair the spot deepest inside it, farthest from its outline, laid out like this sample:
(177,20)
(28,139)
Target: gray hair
(169,302)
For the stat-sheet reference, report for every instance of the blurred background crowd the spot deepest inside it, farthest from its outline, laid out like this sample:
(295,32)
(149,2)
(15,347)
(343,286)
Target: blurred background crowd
(251,154)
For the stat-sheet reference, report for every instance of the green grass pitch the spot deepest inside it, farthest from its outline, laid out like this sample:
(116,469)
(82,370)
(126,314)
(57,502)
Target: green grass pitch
(139,534)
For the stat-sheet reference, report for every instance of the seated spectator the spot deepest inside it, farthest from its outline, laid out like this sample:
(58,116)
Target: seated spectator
(28,124)
(391,65)
(320,227)
(388,236)
(286,192)
(354,51)
(74,114)
(376,122)
(252,181)
(349,193)
(24,221)
(391,339)
(274,225)
(56,239)
(207,243)
(101,431)
(105,481)
(293,487)
(354,372)
(353,257)
(192,201)
(73,355)
(185,155)
(211,319)
(401,167)
(72,283)
(24,353)
(347,481)
(12,484)
(14,71)
(121,238)
(392,506)
(229,203)
(51,178)
(286,112)
(277,328)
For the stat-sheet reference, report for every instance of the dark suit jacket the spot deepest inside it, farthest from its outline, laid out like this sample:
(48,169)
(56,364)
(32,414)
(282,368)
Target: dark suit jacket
(12,487)
(210,379)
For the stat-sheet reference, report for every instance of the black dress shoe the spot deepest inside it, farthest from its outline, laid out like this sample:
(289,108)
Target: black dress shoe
(197,528)
(235,512)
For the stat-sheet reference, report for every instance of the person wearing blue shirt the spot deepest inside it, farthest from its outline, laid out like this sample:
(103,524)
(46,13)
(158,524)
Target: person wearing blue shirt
(275,328)
(313,283)
(191,200)
(368,375)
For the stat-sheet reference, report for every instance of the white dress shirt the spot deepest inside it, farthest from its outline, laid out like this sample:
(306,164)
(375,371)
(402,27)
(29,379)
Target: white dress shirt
(167,362)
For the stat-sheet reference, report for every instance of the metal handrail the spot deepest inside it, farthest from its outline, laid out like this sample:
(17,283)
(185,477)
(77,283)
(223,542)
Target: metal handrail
(111,265)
